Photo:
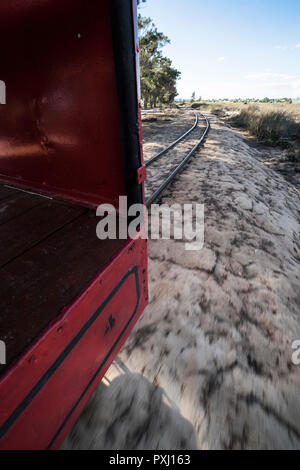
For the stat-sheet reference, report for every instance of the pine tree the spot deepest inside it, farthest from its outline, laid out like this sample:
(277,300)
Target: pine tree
(158,77)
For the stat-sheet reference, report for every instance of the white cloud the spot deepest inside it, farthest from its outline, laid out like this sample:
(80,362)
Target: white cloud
(274,84)
(268,75)
(285,48)
(221,59)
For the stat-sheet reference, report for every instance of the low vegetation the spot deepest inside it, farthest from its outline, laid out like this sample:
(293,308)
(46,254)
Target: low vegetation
(273,123)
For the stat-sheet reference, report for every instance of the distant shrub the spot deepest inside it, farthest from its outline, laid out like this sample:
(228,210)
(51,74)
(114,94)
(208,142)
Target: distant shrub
(285,144)
(291,156)
(217,109)
(149,119)
(268,124)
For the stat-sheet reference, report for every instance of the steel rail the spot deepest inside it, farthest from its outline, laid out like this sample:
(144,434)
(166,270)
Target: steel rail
(173,144)
(179,167)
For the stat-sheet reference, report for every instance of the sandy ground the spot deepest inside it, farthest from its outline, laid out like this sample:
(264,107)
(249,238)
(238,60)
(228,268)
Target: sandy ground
(209,365)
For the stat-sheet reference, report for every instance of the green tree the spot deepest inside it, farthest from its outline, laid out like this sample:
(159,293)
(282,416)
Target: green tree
(158,77)
(193,97)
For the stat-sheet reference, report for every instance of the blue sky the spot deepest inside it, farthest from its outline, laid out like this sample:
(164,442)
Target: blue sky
(232,48)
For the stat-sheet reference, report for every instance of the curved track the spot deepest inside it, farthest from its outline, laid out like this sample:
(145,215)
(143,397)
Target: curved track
(173,144)
(156,194)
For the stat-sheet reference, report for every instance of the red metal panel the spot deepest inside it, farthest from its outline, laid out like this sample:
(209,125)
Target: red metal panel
(44,393)
(60,131)
(60,136)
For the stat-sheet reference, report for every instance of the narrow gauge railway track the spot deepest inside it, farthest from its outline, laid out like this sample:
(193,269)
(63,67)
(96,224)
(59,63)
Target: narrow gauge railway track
(178,166)
(173,144)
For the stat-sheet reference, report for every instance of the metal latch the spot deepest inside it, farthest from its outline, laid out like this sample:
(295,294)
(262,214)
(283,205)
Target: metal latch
(141,174)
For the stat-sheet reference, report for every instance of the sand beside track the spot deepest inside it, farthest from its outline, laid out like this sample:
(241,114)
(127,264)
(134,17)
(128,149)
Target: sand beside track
(209,364)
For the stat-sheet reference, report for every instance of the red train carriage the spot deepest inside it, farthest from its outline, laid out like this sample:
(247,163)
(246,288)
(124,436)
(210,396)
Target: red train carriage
(69,141)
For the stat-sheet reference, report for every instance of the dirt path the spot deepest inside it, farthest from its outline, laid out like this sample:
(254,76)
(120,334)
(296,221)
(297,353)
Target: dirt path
(209,365)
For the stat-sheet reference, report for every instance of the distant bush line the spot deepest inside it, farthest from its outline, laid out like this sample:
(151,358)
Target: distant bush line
(267,124)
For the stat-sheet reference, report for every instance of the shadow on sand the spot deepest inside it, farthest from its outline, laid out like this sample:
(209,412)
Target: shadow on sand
(130,413)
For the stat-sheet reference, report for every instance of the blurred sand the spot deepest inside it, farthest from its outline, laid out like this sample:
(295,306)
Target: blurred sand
(209,366)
